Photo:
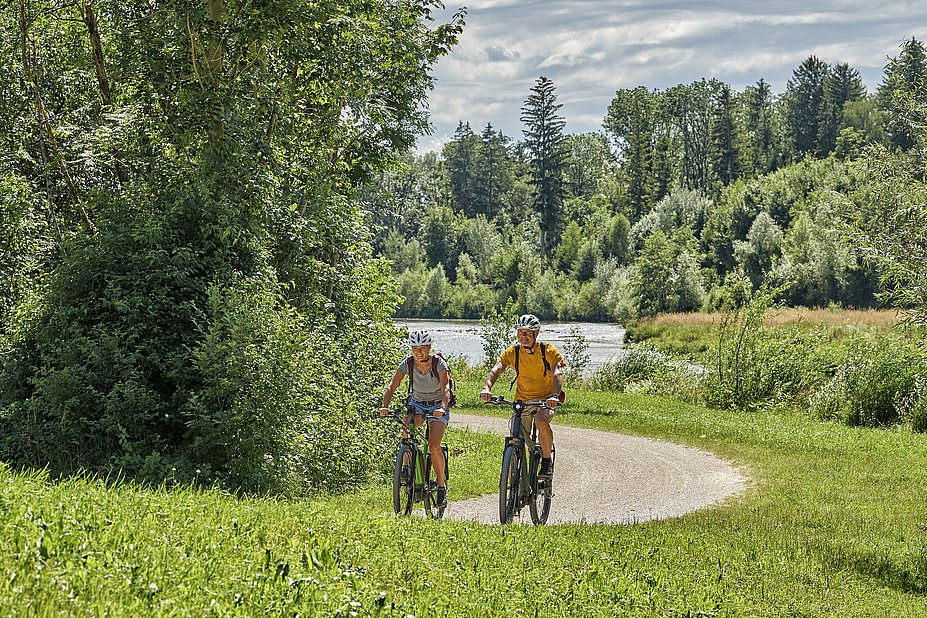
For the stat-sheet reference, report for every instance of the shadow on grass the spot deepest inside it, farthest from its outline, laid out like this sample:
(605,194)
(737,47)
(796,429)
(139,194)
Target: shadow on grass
(904,573)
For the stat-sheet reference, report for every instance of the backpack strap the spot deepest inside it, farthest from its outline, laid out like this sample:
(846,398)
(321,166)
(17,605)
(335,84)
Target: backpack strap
(434,366)
(543,347)
(544,357)
(517,346)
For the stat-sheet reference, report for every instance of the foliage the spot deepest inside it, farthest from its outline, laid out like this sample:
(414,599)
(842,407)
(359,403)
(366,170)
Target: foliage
(747,181)
(198,223)
(547,149)
(497,329)
(874,385)
(575,352)
(889,218)
(735,374)
(635,363)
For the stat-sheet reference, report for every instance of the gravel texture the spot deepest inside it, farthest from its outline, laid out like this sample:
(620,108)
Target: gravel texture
(603,477)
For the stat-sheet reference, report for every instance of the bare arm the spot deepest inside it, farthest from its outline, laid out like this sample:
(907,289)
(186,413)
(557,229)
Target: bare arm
(445,393)
(388,393)
(491,378)
(557,378)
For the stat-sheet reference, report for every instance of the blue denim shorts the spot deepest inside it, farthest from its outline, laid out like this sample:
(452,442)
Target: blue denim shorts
(429,408)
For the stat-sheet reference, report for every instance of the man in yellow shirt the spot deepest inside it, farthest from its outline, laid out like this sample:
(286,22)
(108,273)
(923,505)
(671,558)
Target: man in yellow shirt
(538,376)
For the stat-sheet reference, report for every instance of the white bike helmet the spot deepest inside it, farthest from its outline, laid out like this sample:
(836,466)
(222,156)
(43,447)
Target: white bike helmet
(419,337)
(528,321)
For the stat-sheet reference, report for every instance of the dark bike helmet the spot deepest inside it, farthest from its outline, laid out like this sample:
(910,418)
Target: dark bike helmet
(528,321)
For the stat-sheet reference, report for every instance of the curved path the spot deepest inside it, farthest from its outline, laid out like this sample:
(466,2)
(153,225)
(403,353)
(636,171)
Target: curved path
(604,477)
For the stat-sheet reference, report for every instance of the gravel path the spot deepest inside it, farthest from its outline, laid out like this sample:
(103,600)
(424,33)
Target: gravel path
(604,477)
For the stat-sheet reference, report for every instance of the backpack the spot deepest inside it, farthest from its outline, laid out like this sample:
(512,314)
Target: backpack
(543,347)
(410,370)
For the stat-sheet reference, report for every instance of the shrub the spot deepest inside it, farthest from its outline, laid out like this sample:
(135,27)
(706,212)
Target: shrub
(497,331)
(575,353)
(876,385)
(634,363)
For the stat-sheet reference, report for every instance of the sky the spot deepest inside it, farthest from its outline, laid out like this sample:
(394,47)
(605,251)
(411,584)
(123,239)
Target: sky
(592,48)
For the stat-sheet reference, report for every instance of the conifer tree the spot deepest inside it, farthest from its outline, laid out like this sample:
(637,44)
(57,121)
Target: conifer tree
(545,146)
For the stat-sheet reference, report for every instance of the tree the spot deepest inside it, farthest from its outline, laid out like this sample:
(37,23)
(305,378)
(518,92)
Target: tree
(546,148)
(806,106)
(842,85)
(494,172)
(901,93)
(630,122)
(725,158)
(440,236)
(890,218)
(688,111)
(460,159)
(758,114)
(201,161)
(590,160)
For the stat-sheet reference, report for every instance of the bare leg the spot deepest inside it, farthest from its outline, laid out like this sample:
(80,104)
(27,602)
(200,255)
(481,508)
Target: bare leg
(545,434)
(435,435)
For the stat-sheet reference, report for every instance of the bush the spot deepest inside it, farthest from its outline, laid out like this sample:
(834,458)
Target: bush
(876,385)
(641,369)
(633,364)
(147,356)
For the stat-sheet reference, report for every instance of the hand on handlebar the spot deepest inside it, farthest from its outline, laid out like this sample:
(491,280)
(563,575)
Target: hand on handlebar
(438,413)
(384,411)
(486,394)
(552,403)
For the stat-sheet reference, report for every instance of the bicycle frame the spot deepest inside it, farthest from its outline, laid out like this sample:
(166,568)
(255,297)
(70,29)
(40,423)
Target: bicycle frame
(420,487)
(530,490)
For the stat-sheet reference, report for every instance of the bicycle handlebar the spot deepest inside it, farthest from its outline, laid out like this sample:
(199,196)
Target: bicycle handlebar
(401,414)
(499,400)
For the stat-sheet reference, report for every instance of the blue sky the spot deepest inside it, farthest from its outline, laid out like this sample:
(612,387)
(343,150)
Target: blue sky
(591,48)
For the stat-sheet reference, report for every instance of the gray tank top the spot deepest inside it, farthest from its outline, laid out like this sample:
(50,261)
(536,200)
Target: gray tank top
(425,387)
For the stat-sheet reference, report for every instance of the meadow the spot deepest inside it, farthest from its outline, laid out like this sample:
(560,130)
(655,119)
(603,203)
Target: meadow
(833,523)
(694,334)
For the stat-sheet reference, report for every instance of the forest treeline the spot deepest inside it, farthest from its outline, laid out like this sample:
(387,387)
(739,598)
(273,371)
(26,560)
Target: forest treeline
(681,190)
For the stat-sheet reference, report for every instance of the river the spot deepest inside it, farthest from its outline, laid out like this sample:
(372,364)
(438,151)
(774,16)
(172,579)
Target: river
(462,337)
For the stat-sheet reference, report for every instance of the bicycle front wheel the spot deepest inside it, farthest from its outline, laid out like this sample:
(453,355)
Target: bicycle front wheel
(543,492)
(508,483)
(404,480)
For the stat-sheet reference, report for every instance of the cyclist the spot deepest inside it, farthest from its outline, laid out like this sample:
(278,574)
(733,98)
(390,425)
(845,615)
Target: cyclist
(538,375)
(429,393)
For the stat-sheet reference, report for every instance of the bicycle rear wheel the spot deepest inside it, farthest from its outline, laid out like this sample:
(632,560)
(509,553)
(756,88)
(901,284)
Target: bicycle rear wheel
(430,489)
(543,492)
(508,483)
(403,480)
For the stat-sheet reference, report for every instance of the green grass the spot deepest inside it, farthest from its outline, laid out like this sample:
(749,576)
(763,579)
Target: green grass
(694,335)
(833,524)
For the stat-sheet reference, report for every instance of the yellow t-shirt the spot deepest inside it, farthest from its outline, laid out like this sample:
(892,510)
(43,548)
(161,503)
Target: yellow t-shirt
(532,383)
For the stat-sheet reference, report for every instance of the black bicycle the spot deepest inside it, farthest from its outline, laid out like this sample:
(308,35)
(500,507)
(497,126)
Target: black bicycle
(414,478)
(519,484)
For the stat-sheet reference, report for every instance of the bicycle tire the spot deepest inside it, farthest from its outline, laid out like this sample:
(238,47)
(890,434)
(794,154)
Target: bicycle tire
(403,480)
(428,497)
(433,478)
(508,483)
(542,492)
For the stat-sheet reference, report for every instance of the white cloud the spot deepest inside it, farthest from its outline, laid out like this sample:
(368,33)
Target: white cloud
(591,48)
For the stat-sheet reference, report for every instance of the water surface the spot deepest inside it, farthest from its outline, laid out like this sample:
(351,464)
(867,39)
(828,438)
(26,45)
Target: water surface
(462,337)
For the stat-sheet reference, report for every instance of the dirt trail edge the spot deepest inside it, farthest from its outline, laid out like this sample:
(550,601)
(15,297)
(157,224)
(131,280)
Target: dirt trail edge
(604,477)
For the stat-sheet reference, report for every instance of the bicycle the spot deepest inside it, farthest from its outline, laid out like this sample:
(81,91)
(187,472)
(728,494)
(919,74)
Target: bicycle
(413,475)
(519,484)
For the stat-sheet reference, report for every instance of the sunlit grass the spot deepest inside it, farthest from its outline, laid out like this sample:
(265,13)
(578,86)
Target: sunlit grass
(833,524)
